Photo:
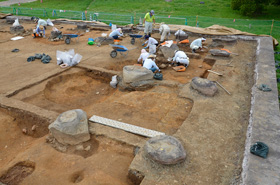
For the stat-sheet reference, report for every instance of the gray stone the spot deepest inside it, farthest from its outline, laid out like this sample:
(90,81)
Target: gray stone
(133,73)
(217,52)
(56,34)
(81,26)
(204,86)
(182,37)
(165,150)
(71,127)
(104,40)
(225,40)
(17,29)
(168,52)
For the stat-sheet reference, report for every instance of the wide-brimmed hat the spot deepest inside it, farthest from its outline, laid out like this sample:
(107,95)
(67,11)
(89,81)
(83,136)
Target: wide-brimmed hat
(152,56)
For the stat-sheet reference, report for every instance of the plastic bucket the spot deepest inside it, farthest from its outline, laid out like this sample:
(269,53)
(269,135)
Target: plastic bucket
(90,41)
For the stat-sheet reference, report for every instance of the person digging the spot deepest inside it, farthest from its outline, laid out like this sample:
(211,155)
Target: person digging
(197,44)
(150,64)
(180,58)
(41,27)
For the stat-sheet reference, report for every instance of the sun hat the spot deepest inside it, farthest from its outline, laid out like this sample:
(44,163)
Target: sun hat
(152,56)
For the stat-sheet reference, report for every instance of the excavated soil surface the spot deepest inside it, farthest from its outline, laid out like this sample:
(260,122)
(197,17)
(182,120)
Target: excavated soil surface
(30,160)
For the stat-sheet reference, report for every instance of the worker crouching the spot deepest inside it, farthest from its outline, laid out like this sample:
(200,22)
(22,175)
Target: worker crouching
(150,64)
(180,58)
(197,44)
(41,27)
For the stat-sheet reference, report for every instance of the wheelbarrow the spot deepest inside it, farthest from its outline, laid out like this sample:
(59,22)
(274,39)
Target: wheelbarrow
(69,36)
(133,37)
(118,48)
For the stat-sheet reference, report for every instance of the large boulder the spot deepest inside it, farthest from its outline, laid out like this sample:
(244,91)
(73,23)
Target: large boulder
(165,150)
(168,52)
(133,73)
(204,86)
(70,127)
(136,78)
(218,52)
(17,29)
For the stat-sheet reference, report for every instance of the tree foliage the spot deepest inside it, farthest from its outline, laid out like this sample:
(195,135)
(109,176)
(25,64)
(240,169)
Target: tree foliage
(250,7)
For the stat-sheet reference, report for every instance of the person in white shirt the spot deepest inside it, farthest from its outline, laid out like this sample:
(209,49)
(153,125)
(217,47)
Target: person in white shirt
(143,56)
(164,31)
(151,44)
(150,64)
(197,44)
(180,57)
(42,23)
(116,33)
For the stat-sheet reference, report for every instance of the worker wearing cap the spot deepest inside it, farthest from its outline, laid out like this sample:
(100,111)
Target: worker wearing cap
(180,58)
(40,23)
(149,19)
(151,44)
(150,64)
(197,44)
(116,33)
(143,56)
(164,31)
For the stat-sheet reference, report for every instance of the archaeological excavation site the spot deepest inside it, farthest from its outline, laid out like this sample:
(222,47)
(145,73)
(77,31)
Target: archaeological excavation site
(72,125)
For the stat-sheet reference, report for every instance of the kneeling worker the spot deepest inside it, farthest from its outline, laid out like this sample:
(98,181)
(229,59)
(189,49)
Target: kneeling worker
(197,44)
(143,56)
(116,33)
(150,64)
(180,57)
(40,22)
(164,31)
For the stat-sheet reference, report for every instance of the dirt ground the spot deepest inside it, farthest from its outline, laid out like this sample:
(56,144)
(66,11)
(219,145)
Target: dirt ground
(28,159)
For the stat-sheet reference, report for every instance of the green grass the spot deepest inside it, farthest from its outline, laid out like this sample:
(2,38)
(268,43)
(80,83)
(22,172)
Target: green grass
(76,5)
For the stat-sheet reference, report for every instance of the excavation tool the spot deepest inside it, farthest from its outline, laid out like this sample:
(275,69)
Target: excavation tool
(119,48)
(67,37)
(222,87)
(215,72)
(133,37)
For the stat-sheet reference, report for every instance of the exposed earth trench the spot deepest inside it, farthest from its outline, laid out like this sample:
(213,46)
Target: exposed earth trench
(211,129)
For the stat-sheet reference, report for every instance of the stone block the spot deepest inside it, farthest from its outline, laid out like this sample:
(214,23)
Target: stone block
(217,52)
(70,127)
(133,73)
(204,86)
(165,150)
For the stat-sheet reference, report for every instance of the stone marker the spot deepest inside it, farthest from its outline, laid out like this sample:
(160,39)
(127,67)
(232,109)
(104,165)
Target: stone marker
(17,29)
(165,150)
(71,127)
(168,52)
(133,73)
(204,86)
(217,52)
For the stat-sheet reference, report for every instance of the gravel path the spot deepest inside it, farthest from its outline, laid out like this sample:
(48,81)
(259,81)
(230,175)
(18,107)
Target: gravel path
(10,2)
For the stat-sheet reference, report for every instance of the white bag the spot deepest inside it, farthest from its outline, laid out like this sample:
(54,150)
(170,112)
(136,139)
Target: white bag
(16,23)
(49,22)
(114,81)
(68,57)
